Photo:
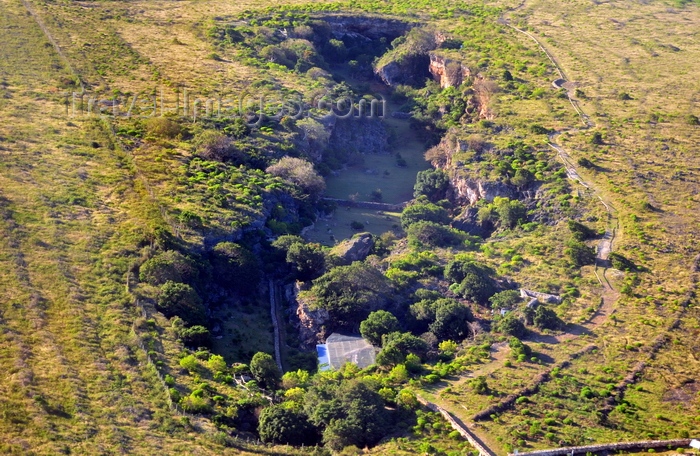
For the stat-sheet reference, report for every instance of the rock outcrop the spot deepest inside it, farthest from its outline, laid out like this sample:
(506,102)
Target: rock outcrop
(412,69)
(310,322)
(369,27)
(359,135)
(449,73)
(355,249)
(466,190)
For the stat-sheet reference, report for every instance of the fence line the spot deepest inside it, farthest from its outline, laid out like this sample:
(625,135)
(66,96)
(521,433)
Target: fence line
(473,440)
(608,447)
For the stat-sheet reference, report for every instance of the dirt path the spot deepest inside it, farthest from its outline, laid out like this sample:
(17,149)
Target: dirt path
(603,249)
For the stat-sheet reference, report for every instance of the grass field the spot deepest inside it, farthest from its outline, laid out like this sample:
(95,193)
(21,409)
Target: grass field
(382,172)
(337,225)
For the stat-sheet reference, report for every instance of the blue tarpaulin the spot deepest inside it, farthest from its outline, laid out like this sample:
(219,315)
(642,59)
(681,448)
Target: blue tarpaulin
(323,360)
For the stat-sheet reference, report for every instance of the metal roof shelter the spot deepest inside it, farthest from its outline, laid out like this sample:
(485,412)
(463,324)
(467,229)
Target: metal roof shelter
(340,349)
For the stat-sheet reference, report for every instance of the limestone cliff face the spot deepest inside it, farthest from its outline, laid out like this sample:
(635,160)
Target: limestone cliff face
(467,188)
(449,73)
(411,69)
(366,27)
(311,323)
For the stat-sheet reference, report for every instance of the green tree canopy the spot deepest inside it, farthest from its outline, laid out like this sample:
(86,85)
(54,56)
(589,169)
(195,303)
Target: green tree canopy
(432,183)
(546,318)
(512,325)
(505,299)
(265,370)
(397,345)
(363,420)
(350,293)
(180,299)
(424,233)
(424,212)
(309,260)
(510,212)
(378,324)
(168,265)
(451,320)
(235,267)
(473,280)
(283,425)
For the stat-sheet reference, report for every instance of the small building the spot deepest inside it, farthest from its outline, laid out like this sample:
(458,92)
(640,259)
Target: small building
(340,349)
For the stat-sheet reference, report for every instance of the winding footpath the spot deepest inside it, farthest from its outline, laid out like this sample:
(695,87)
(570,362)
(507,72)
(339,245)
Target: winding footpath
(605,246)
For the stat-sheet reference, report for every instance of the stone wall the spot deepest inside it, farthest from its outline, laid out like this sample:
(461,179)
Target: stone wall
(612,447)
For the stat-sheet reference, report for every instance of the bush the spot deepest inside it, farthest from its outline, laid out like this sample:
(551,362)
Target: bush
(357,226)
(431,234)
(618,261)
(597,138)
(212,145)
(579,231)
(190,363)
(180,299)
(586,163)
(162,127)
(428,212)
(170,265)
(193,404)
(377,325)
(195,336)
(282,425)
(579,253)
(518,348)
(479,385)
(301,173)
(432,183)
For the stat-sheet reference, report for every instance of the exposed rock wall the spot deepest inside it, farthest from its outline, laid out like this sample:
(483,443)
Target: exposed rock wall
(310,323)
(467,190)
(449,73)
(412,69)
(608,448)
(372,28)
(359,135)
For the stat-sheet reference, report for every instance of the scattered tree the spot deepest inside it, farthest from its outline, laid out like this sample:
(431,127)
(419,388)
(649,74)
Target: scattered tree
(546,318)
(451,320)
(265,370)
(301,173)
(286,426)
(378,324)
(579,253)
(512,325)
(432,183)
(182,300)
